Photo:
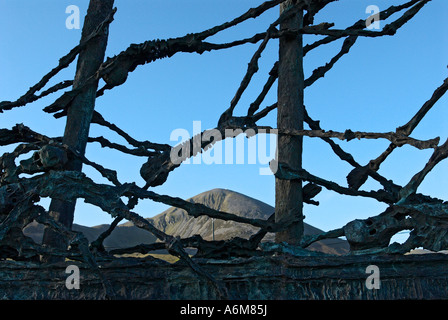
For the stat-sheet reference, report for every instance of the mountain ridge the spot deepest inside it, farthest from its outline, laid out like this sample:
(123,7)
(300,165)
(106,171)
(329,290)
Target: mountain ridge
(177,222)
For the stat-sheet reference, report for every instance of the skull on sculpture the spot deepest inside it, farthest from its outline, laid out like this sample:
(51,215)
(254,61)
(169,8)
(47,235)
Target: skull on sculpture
(376,232)
(48,157)
(431,226)
(428,223)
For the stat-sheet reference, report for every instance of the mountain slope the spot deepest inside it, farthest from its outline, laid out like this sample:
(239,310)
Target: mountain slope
(177,222)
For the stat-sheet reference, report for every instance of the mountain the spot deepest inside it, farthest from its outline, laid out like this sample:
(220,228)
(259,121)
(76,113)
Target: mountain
(177,222)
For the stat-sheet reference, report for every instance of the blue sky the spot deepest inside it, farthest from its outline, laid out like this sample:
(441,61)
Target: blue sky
(378,86)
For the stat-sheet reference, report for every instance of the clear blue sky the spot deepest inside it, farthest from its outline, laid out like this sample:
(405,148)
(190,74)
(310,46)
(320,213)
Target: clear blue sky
(378,86)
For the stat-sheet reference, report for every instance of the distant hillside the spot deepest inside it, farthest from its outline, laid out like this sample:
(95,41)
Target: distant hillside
(175,221)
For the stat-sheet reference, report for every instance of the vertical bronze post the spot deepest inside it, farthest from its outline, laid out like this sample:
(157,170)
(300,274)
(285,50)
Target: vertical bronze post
(290,116)
(79,114)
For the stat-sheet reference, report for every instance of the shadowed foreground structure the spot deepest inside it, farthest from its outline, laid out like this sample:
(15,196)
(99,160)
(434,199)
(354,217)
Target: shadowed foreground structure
(258,278)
